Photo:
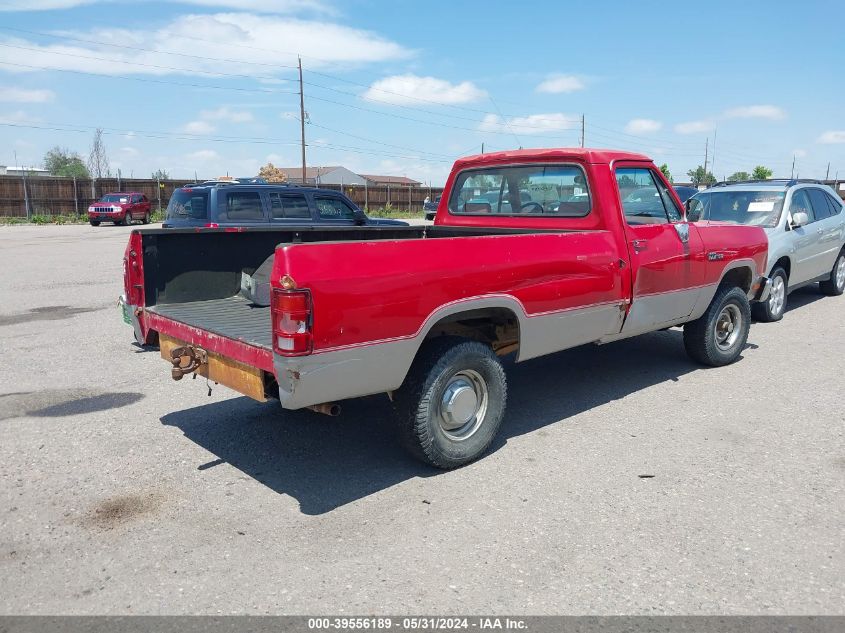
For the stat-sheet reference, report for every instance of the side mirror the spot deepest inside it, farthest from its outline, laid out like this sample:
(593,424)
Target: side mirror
(799,218)
(360,217)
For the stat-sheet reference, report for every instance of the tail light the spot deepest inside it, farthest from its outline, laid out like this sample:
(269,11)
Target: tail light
(133,275)
(291,310)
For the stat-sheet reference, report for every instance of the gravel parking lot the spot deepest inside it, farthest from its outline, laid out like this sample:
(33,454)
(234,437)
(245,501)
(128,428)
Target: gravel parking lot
(626,478)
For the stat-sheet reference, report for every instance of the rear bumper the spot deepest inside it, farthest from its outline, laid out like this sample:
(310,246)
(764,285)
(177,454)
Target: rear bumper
(761,289)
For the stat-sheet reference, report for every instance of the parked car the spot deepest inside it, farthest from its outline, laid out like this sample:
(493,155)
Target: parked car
(685,193)
(224,203)
(120,208)
(805,224)
(430,208)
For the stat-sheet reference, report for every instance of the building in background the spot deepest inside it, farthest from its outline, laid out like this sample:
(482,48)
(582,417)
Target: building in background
(338,175)
(21,171)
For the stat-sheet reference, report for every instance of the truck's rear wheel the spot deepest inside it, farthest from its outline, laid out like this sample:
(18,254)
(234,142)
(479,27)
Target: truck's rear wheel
(718,337)
(452,402)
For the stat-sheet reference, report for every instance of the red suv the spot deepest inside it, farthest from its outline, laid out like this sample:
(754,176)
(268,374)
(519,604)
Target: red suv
(120,208)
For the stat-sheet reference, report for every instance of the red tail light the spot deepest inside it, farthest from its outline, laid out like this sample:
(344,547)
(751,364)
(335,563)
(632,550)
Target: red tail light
(291,310)
(133,274)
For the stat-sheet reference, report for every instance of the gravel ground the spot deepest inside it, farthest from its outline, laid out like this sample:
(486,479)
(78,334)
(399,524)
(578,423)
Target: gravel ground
(122,492)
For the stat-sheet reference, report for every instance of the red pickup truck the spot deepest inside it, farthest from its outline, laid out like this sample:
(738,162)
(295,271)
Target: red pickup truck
(531,252)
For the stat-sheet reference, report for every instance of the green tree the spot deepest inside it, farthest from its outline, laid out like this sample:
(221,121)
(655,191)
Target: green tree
(699,176)
(665,169)
(60,161)
(739,175)
(160,174)
(761,172)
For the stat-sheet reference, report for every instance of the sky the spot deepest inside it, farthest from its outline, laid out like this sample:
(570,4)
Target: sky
(403,88)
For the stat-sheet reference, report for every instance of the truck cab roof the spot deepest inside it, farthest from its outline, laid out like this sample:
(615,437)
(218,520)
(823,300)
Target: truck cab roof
(586,155)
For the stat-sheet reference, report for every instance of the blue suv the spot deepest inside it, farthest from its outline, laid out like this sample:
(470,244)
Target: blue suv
(211,204)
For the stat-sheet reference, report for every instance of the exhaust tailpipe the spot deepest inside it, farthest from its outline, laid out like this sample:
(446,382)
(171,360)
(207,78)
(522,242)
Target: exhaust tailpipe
(327,408)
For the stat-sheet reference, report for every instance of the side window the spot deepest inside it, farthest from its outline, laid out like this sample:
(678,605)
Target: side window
(333,209)
(800,202)
(818,199)
(834,204)
(288,206)
(244,206)
(144,199)
(642,202)
(668,201)
(136,199)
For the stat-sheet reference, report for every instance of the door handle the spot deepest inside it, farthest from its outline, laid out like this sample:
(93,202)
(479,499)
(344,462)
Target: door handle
(639,245)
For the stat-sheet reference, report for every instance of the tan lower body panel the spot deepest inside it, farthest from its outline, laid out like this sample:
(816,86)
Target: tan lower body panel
(233,374)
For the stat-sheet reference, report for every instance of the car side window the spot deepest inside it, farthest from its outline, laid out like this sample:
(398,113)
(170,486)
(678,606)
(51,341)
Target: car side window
(136,199)
(289,206)
(801,203)
(834,204)
(642,202)
(333,209)
(819,201)
(668,201)
(244,206)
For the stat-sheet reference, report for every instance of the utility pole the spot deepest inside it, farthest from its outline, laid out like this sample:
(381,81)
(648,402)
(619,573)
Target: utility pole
(582,130)
(302,118)
(713,160)
(792,174)
(706,150)
(482,147)
(827,173)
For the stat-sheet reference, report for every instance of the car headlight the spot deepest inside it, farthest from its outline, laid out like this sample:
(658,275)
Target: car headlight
(115,209)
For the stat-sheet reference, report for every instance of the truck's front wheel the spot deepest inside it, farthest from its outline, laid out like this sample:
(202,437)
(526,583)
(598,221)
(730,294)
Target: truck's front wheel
(452,402)
(718,337)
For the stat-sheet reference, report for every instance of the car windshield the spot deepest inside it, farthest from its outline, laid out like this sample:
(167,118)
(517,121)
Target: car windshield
(112,197)
(757,208)
(188,203)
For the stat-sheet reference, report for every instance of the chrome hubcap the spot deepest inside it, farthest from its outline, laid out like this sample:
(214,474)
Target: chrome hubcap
(840,272)
(728,327)
(777,296)
(463,405)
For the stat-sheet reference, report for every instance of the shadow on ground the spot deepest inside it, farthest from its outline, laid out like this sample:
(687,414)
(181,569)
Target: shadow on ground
(46,313)
(55,403)
(327,462)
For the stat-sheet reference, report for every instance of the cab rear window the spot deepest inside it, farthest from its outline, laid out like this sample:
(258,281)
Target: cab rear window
(188,204)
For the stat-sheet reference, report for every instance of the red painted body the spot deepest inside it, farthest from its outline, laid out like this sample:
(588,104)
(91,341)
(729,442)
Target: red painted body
(136,207)
(371,291)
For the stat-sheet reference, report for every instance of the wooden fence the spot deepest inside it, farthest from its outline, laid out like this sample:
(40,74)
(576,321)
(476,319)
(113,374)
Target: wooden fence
(47,195)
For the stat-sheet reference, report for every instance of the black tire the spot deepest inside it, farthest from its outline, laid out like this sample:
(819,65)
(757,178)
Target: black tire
(93,223)
(430,216)
(773,308)
(126,221)
(146,218)
(700,336)
(835,286)
(451,363)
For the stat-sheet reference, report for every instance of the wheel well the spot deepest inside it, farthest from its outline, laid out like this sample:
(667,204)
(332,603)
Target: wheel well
(497,327)
(784,263)
(740,277)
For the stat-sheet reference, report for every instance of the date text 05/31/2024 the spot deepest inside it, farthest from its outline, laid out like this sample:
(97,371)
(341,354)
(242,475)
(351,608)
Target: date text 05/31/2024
(416,623)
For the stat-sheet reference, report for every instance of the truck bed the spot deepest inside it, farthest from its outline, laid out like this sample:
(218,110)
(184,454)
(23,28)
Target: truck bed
(233,317)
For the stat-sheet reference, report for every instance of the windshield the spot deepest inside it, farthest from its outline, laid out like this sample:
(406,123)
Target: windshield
(188,203)
(114,198)
(756,208)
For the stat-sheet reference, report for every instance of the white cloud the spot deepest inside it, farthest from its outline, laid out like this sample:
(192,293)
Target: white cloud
(832,136)
(241,37)
(129,151)
(18,117)
(41,5)
(694,127)
(799,153)
(404,89)
(22,95)
(643,126)
(558,84)
(773,113)
(260,6)
(532,124)
(199,127)
(203,155)
(225,113)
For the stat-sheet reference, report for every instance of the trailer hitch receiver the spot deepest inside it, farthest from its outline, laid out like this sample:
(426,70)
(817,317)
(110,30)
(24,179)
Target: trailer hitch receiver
(194,358)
